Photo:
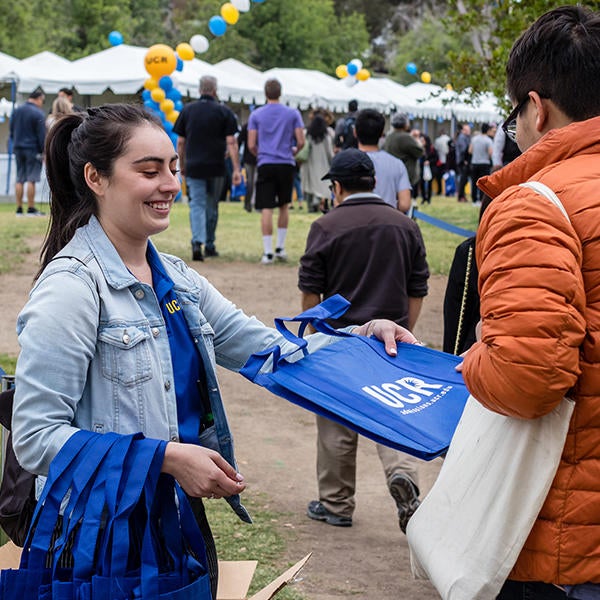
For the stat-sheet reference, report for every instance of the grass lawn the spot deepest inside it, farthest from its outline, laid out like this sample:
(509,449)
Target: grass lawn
(238,233)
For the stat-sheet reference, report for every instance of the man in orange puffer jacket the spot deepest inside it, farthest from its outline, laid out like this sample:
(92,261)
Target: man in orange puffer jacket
(539,280)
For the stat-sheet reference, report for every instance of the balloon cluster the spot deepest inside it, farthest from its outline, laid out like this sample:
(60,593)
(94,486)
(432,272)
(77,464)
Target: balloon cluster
(217,24)
(412,69)
(353,72)
(160,95)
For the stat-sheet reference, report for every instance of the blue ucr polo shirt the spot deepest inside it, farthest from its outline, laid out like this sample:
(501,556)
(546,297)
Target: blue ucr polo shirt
(188,370)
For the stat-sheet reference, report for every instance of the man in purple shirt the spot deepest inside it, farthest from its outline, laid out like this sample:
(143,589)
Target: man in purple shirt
(275,135)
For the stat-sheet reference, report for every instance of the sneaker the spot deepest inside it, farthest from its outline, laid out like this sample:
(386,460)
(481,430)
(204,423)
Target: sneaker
(281,254)
(19,211)
(318,512)
(406,494)
(197,251)
(34,212)
(267,259)
(210,252)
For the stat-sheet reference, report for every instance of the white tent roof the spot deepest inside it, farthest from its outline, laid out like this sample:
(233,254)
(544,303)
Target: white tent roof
(121,70)
(232,86)
(7,64)
(45,70)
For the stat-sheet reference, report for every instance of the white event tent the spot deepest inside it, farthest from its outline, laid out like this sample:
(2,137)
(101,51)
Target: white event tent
(120,70)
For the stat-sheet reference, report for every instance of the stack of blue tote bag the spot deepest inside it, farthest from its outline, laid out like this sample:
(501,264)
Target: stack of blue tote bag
(411,402)
(109,525)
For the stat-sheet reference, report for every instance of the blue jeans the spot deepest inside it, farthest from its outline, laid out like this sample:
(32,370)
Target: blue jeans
(529,590)
(204,208)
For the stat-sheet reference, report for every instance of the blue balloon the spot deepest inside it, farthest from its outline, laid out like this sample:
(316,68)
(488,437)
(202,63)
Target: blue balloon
(178,105)
(115,38)
(165,83)
(258,1)
(146,95)
(179,66)
(411,68)
(352,68)
(217,25)
(151,105)
(168,126)
(174,94)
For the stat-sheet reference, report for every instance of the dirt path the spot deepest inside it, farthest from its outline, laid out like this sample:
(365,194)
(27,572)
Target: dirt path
(275,446)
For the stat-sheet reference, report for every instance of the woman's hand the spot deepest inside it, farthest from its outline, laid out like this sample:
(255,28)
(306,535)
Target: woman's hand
(388,332)
(201,472)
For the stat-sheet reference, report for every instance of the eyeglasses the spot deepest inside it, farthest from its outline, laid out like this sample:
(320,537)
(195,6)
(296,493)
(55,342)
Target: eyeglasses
(332,187)
(510,125)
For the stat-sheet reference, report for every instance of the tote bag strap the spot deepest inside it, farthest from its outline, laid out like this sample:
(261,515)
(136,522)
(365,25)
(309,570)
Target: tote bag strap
(545,191)
(87,501)
(80,444)
(332,308)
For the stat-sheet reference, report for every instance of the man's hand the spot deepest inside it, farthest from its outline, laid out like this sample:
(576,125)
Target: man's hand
(388,332)
(236,177)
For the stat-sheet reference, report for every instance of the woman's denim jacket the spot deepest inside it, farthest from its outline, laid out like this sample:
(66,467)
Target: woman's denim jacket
(95,353)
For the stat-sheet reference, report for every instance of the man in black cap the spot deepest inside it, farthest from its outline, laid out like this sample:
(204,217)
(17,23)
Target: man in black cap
(373,255)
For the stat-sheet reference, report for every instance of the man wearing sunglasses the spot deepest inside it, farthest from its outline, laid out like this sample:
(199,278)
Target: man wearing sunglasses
(539,278)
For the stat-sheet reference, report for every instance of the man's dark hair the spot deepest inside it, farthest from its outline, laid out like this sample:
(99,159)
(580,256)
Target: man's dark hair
(369,126)
(66,90)
(485,128)
(358,184)
(559,58)
(272,89)
(37,93)
(352,106)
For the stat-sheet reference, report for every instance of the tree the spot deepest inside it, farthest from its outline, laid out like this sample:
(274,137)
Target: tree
(428,46)
(492,28)
(280,33)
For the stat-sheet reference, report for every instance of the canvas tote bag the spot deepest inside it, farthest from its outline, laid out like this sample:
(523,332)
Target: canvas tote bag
(470,529)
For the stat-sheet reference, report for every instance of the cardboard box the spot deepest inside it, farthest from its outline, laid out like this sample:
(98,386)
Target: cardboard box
(234,576)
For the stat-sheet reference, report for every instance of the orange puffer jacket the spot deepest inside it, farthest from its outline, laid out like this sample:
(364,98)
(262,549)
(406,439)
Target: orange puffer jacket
(539,280)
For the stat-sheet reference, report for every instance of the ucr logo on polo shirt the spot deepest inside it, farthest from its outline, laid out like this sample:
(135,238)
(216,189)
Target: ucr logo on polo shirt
(407,390)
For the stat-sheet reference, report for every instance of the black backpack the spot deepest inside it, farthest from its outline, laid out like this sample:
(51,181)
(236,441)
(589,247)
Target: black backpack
(347,139)
(17,489)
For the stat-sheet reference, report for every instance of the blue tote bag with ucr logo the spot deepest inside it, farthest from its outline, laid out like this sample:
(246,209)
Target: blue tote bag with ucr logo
(411,402)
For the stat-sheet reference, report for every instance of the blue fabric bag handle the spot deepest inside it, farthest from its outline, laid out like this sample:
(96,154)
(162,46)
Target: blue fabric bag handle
(332,308)
(82,448)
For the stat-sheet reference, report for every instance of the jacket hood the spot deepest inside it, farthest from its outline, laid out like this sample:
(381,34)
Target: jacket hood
(581,137)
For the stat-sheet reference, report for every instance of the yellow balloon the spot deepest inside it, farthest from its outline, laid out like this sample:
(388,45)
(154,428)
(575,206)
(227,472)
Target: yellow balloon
(167,106)
(230,13)
(160,60)
(172,116)
(158,94)
(363,75)
(342,71)
(150,83)
(184,51)
(426,77)
(449,87)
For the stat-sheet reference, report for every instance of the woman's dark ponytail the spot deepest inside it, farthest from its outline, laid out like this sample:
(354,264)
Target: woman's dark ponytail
(64,200)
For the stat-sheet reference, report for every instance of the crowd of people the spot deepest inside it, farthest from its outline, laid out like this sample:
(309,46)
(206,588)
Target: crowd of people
(117,336)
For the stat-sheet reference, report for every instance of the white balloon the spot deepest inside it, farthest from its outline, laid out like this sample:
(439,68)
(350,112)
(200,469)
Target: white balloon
(357,62)
(350,80)
(199,43)
(241,5)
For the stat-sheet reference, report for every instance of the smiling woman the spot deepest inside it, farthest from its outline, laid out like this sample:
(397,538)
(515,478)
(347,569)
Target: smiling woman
(117,337)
